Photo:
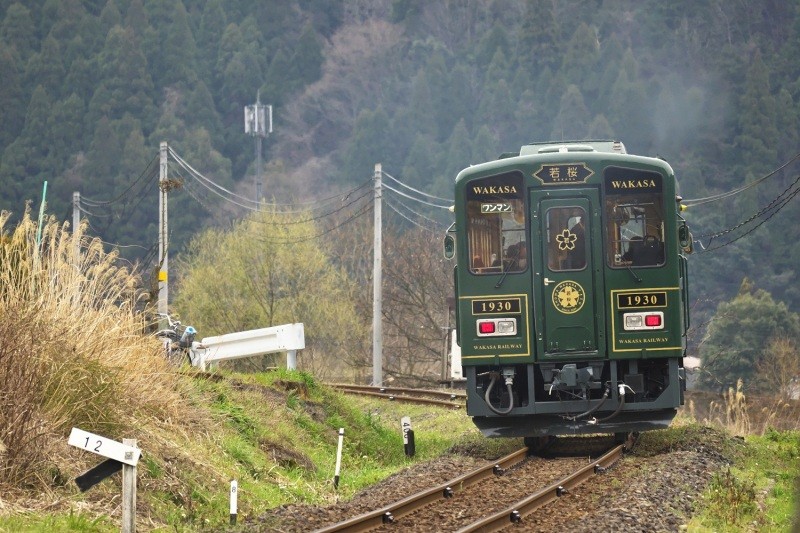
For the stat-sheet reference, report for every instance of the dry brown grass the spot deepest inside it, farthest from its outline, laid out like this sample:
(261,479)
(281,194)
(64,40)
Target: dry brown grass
(72,352)
(744,414)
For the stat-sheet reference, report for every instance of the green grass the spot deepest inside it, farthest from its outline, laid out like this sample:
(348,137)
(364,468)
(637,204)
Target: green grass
(53,523)
(759,491)
(276,433)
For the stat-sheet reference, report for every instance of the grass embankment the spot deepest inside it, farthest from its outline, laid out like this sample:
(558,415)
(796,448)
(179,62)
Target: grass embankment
(760,491)
(72,354)
(275,433)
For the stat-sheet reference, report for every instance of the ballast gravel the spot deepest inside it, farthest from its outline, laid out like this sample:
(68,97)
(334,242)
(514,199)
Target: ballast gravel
(655,487)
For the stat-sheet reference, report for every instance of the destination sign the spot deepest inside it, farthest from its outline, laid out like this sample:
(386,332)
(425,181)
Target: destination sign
(496,306)
(563,174)
(638,300)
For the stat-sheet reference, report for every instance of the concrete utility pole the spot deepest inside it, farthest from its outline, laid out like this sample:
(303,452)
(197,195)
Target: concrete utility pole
(258,123)
(377,301)
(76,222)
(163,234)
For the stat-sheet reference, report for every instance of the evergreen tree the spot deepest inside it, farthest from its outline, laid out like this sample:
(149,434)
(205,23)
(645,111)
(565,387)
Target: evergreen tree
(572,122)
(485,147)
(738,335)
(169,46)
(306,61)
(579,62)
(420,163)
(110,15)
(366,147)
(47,67)
(540,36)
(212,25)
(18,31)
(125,85)
(12,107)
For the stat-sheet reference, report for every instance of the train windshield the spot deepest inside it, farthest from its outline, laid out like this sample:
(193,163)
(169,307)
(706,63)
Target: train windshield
(496,221)
(634,211)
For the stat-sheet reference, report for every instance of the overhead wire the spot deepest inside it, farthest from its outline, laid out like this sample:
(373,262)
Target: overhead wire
(420,215)
(776,210)
(401,193)
(362,212)
(97,203)
(311,219)
(415,223)
(415,190)
(254,205)
(693,202)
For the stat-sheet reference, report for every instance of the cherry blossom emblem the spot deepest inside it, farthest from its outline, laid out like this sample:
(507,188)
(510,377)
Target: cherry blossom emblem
(566,240)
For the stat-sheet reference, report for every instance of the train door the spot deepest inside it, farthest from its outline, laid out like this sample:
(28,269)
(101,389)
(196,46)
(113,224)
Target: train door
(569,319)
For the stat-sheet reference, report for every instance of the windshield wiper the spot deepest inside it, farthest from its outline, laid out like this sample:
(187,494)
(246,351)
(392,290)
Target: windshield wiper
(505,273)
(635,277)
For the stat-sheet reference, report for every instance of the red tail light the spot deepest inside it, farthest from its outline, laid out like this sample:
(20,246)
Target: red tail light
(652,321)
(486,327)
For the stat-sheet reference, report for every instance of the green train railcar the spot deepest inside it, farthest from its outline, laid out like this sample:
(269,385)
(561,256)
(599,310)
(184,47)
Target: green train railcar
(571,287)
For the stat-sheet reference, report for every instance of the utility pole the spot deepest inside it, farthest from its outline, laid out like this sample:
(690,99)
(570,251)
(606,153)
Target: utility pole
(377,301)
(76,222)
(258,123)
(163,234)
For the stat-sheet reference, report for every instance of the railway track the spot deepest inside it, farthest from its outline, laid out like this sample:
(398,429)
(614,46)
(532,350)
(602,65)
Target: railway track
(501,488)
(455,399)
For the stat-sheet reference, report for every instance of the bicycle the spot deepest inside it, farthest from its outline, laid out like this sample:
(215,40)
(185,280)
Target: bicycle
(177,340)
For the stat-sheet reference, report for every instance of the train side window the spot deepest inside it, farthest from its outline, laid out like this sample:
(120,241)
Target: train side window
(634,214)
(496,224)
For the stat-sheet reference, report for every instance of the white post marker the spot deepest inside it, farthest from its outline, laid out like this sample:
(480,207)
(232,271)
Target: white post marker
(106,447)
(408,436)
(129,493)
(123,453)
(338,459)
(234,500)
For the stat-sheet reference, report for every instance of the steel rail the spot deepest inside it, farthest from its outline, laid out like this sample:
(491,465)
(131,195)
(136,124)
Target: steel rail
(523,508)
(391,512)
(375,392)
(453,394)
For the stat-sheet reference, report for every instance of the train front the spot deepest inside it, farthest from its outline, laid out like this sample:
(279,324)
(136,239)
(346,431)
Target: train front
(571,289)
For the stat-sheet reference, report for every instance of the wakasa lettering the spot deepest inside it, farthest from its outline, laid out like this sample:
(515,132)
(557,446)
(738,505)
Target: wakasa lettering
(495,189)
(639,341)
(499,347)
(633,184)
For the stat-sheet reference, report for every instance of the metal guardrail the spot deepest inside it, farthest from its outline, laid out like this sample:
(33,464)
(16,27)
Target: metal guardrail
(286,338)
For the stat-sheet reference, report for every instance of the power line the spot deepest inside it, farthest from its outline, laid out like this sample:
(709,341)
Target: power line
(365,210)
(97,203)
(700,201)
(252,205)
(419,215)
(417,224)
(415,190)
(412,198)
(775,211)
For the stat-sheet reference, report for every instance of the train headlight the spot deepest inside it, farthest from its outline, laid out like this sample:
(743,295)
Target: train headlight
(643,321)
(497,327)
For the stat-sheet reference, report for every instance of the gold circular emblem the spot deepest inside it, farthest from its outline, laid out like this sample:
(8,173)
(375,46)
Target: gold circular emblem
(568,297)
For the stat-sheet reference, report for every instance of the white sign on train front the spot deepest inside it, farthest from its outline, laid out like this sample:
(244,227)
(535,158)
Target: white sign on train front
(104,446)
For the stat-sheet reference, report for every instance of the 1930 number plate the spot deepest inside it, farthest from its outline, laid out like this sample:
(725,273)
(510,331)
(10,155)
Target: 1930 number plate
(496,305)
(638,300)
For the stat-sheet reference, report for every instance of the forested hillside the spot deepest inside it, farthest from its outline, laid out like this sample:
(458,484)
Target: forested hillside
(90,88)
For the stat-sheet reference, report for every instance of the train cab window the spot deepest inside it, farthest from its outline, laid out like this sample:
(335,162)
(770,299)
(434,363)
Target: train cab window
(496,222)
(566,239)
(634,214)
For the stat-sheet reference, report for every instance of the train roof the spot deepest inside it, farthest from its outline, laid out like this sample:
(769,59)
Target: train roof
(600,145)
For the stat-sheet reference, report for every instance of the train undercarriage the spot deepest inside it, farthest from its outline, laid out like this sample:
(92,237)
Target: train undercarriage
(541,399)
